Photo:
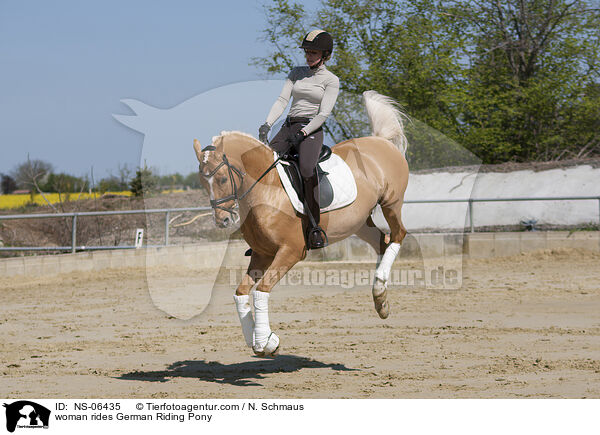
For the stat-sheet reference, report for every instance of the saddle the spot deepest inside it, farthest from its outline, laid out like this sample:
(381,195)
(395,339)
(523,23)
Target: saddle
(292,170)
(337,185)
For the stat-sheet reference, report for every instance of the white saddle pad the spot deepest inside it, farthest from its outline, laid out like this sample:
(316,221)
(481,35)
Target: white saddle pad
(339,175)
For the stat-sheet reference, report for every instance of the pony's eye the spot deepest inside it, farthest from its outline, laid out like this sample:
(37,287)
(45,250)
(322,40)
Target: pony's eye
(222,180)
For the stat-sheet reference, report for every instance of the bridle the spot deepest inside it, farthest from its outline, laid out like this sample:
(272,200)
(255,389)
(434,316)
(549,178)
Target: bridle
(231,170)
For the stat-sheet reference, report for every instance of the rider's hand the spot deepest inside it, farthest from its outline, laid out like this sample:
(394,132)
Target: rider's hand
(263,132)
(297,138)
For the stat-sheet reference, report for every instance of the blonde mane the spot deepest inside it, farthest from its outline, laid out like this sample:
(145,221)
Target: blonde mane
(217,139)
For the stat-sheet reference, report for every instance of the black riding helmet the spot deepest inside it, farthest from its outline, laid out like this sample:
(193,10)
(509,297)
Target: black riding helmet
(318,40)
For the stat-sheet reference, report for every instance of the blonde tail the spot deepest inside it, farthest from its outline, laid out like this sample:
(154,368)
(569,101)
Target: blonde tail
(386,118)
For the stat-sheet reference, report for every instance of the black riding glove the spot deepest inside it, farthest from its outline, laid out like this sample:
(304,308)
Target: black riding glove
(263,132)
(297,139)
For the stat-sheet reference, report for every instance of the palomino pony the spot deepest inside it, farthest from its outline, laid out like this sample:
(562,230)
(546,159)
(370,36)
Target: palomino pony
(231,170)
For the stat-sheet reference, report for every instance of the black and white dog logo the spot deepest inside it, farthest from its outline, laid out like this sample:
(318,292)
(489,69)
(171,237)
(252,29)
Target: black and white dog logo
(26,414)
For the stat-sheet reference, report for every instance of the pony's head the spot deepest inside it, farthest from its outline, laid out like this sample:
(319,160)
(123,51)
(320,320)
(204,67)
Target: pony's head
(222,180)
(222,173)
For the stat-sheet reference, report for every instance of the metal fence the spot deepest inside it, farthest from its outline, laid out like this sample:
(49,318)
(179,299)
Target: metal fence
(167,212)
(470,201)
(74,216)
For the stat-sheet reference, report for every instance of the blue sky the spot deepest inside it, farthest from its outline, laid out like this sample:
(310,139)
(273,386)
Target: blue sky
(67,64)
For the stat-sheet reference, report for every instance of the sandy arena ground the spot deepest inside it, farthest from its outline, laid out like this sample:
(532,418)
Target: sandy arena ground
(526,326)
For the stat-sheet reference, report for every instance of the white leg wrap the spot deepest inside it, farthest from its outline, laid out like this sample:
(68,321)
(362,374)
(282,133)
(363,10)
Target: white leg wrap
(262,330)
(272,346)
(385,265)
(265,342)
(242,303)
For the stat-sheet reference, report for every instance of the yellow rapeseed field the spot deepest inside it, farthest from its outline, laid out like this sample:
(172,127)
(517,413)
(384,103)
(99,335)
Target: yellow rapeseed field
(16,201)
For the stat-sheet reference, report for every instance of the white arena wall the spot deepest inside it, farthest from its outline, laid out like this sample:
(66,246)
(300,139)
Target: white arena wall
(218,254)
(581,180)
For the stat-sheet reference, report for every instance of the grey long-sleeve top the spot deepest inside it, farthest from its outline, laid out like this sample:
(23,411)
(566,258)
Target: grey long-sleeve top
(314,94)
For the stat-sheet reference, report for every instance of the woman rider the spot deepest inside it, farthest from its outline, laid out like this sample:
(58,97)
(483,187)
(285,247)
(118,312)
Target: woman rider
(314,90)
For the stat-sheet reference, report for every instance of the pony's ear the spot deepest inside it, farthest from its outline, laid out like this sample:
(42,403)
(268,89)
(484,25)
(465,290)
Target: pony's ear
(198,149)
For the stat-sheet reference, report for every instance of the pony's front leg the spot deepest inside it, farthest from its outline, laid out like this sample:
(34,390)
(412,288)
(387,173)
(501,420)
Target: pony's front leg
(258,264)
(266,342)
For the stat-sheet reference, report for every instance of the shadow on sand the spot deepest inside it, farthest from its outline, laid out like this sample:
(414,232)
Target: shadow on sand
(240,374)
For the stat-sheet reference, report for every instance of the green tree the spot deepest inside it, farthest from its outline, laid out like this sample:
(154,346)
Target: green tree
(192,180)
(116,183)
(533,68)
(509,80)
(145,182)
(111,184)
(171,181)
(64,183)
(32,173)
(8,184)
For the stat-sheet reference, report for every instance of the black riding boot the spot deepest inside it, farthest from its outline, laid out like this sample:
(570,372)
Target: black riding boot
(315,236)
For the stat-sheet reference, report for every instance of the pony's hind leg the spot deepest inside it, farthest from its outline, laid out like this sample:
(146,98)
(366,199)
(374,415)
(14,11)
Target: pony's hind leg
(392,215)
(373,236)
(377,239)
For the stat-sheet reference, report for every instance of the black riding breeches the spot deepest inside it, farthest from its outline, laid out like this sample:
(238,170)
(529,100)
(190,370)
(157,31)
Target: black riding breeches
(308,150)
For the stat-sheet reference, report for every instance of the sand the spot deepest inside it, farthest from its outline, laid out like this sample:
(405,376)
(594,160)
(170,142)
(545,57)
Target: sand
(524,326)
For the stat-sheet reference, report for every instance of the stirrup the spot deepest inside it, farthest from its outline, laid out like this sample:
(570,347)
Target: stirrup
(313,234)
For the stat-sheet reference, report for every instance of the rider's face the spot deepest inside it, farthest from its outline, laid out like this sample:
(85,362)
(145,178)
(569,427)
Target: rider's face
(313,57)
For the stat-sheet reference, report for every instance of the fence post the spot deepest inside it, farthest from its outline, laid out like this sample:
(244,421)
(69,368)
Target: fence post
(471,215)
(167,215)
(74,234)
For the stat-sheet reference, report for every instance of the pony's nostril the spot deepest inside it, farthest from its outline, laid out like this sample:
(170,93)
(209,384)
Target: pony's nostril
(226,221)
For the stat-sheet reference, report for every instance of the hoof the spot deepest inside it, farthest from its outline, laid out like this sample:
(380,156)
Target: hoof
(271,349)
(382,305)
